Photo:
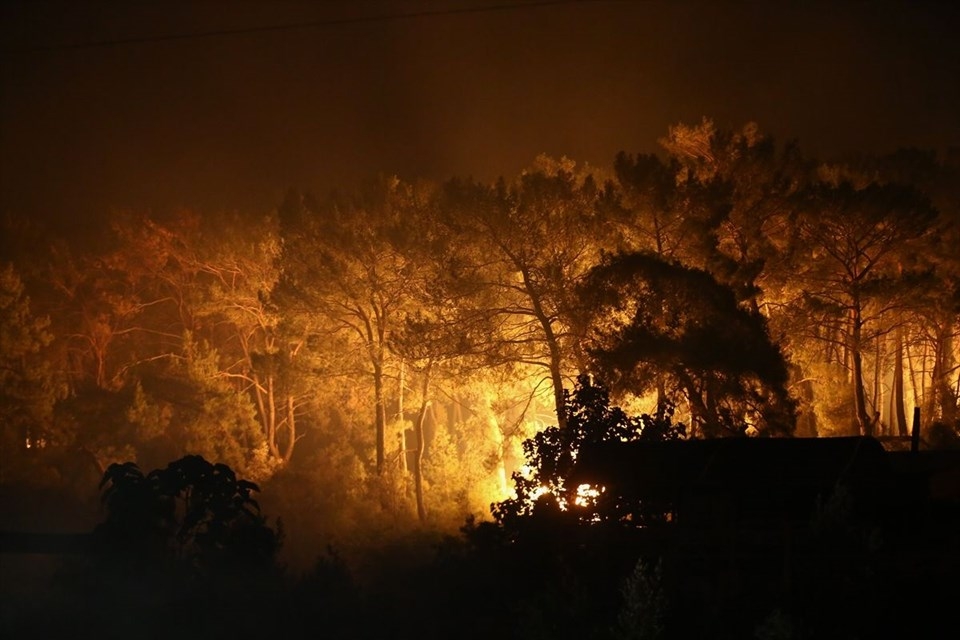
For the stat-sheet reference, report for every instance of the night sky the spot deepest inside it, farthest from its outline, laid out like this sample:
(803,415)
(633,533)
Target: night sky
(225,120)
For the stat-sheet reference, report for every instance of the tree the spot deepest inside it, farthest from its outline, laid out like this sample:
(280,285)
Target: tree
(644,604)
(653,204)
(551,453)
(193,515)
(646,319)
(28,387)
(939,320)
(558,550)
(441,335)
(935,311)
(238,306)
(181,315)
(733,189)
(530,242)
(348,262)
(113,307)
(849,258)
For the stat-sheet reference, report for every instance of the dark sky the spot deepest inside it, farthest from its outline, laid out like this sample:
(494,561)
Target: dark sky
(232,121)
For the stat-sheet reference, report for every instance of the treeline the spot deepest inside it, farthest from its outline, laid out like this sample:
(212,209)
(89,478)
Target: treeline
(378,357)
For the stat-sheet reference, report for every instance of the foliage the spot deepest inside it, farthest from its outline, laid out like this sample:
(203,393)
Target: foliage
(528,242)
(551,453)
(726,211)
(854,258)
(28,387)
(304,341)
(657,325)
(350,263)
(461,474)
(193,517)
(186,404)
(944,436)
(644,604)
(779,625)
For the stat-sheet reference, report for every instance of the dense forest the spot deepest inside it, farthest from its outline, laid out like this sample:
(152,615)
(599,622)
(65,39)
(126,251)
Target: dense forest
(376,360)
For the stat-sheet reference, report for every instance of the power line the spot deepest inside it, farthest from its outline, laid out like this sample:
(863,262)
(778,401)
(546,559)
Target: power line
(313,24)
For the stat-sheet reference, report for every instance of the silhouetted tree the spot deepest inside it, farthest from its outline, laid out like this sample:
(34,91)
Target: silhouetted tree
(646,319)
(193,516)
(551,453)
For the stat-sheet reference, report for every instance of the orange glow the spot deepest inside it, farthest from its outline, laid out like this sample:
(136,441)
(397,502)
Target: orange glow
(540,491)
(587,495)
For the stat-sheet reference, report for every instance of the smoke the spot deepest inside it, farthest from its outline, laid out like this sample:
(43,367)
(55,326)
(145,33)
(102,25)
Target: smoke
(232,122)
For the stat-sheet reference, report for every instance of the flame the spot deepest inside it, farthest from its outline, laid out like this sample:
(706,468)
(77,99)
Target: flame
(539,491)
(587,495)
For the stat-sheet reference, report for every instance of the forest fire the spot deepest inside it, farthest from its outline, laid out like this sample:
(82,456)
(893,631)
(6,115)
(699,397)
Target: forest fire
(308,328)
(421,331)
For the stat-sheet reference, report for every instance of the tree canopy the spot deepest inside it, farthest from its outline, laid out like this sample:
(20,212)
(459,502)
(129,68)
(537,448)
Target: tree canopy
(660,326)
(382,353)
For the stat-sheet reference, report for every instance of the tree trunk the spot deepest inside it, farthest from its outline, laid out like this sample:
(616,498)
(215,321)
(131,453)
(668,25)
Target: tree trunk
(271,402)
(556,375)
(699,411)
(559,401)
(269,428)
(899,411)
(877,393)
(913,376)
(915,431)
(864,425)
(400,389)
(553,346)
(946,396)
(380,409)
(418,451)
(291,431)
(661,395)
(942,404)
(399,422)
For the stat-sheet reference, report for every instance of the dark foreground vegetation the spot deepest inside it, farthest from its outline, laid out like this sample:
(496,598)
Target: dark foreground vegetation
(721,538)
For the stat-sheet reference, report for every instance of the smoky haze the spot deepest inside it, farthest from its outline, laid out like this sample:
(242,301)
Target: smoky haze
(232,120)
